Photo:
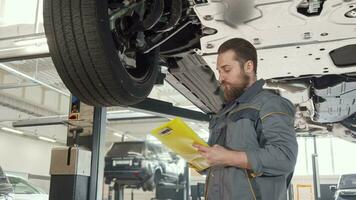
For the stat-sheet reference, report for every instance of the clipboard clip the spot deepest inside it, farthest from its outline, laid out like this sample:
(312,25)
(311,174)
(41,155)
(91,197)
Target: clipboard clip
(165,131)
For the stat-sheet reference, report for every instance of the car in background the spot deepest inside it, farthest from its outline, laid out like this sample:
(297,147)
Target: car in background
(346,187)
(23,190)
(139,164)
(6,190)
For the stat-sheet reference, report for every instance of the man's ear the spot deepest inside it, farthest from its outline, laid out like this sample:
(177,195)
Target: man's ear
(249,67)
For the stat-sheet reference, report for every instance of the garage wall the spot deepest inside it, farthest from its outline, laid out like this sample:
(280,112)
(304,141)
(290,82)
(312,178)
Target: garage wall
(24,155)
(2,10)
(331,156)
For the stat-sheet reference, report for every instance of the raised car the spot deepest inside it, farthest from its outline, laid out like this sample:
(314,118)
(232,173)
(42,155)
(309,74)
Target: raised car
(142,165)
(112,52)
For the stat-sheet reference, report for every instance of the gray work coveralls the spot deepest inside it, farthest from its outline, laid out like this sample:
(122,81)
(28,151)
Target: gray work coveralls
(261,124)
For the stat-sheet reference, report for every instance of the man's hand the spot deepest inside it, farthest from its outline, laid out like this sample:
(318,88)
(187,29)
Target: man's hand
(215,155)
(218,155)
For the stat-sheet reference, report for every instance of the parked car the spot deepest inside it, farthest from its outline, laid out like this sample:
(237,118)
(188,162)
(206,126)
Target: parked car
(110,52)
(346,187)
(142,164)
(23,190)
(6,190)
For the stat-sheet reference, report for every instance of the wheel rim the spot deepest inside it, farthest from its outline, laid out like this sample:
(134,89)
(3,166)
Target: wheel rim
(121,24)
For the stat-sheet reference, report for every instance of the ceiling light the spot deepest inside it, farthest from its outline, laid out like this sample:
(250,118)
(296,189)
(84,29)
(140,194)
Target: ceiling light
(47,139)
(12,130)
(119,111)
(36,49)
(118,134)
(30,42)
(205,132)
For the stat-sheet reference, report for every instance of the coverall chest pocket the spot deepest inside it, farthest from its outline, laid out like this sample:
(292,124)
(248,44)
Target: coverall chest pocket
(241,130)
(217,129)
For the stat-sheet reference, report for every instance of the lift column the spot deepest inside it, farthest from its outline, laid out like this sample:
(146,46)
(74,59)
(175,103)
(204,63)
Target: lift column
(77,170)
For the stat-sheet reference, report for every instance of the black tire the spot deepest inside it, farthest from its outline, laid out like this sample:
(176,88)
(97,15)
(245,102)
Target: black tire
(149,185)
(350,123)
(84,54)
(181,178)
(158,178)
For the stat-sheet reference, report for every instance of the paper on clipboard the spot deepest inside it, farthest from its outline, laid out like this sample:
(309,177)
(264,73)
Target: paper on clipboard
(179,137)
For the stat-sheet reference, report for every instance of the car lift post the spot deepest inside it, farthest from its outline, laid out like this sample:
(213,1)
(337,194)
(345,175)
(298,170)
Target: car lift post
(119,191)
(77,170)
(187,182)
(315,165)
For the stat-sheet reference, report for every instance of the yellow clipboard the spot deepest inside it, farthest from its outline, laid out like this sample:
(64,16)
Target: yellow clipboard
(179,137)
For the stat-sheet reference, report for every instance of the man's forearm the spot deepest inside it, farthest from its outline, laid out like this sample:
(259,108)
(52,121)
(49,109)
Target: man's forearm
(237,159)
(218,155)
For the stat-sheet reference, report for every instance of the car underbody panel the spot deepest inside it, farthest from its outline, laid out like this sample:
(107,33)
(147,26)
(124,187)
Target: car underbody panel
(306,52)
(335,103)
(289,43)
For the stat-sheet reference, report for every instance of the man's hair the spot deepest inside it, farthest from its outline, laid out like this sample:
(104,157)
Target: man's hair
(243,50)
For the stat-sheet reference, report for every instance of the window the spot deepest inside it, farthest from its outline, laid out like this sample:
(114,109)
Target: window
(151,151)
(18,11)
(331,156)
(348,181)
(20,18)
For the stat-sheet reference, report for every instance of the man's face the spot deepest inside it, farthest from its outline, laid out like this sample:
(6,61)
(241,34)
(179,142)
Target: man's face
(232,76)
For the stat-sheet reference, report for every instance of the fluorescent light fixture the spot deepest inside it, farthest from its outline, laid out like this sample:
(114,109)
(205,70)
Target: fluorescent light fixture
(36,49)
(192,123)
(126,115)
(12,130)
(119,111)
(30,42)
(118,134)
(46,139)
(192,107)
(205,132)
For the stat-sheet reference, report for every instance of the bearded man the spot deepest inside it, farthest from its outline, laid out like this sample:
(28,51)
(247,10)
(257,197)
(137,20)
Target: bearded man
(253,147)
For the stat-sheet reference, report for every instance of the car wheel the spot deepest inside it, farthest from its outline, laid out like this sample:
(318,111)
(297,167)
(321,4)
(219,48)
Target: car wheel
(181,178)
(149,185)
(158,178)
(88,59)
(350,122)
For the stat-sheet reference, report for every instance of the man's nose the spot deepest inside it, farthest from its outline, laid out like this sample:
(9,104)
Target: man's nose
(221,78)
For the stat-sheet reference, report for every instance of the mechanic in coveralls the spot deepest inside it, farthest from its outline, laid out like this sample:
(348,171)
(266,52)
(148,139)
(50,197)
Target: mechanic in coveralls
(253,147)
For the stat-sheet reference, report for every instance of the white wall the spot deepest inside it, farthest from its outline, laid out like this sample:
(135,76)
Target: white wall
(14,7)
(25,155)
(334,156)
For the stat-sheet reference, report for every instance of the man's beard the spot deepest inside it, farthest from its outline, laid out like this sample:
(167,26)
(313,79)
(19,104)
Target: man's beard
(235,91)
